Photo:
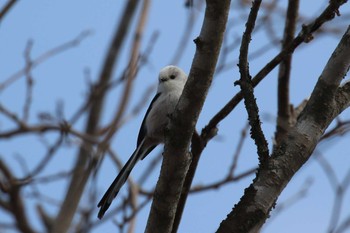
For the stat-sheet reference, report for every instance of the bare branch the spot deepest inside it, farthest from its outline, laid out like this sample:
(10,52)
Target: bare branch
(305,35)
(283,112)
(238,150)
(49,155)
(229,179)
(42,128)
(7,8)
(84,165)
(10,115)
(44,57)
(183,121)
(130,75)
(15,203)
(191,21)
(295,141)
(247,89)
(29,81)
(253,209)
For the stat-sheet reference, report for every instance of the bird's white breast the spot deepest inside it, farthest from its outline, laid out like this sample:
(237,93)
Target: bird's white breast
(158,117)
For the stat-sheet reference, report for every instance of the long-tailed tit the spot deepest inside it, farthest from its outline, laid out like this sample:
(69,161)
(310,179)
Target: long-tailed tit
(171,83)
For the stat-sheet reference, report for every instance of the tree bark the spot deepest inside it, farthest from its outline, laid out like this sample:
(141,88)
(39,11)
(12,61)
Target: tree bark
(176,156)
(327,101)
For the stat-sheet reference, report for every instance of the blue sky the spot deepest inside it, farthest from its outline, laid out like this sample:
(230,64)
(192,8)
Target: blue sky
(63,78)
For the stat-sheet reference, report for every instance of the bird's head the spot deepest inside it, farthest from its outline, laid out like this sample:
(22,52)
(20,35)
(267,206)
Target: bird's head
(171,78)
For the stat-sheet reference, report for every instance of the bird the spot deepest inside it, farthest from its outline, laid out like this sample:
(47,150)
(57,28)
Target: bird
(171,82)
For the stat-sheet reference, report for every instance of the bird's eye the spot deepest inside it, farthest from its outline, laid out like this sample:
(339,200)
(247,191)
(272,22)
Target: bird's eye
(172,76)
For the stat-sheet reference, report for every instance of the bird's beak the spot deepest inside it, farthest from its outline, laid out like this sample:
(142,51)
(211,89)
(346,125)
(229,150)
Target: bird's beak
(163,79)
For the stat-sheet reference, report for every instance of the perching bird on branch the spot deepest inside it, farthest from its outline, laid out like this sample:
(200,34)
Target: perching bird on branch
(171,83)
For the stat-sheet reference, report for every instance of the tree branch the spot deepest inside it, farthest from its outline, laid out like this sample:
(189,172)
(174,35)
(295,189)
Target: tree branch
(83,166)
(130,74)
(198,144)
(247,89)
(305,35)
(259,198)
(15,203)
(44,57)
(176,157)
(283,112)
(7,8)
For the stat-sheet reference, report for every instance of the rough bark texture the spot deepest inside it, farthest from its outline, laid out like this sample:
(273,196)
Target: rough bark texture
(176,157)
(326,102)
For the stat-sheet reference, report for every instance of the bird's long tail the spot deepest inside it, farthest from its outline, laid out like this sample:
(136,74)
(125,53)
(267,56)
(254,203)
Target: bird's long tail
(118,182)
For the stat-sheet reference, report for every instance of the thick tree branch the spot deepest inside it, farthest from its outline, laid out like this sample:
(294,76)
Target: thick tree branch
(176,157)
(198,144)
(259,198)
(343,96)
(328,84)
(195,144)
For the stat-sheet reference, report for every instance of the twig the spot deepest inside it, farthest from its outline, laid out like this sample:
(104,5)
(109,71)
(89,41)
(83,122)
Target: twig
(7,8)
(44,179)
(283,112)
(45,56)
(15,201)
(305,35)
(192,16)
(127,218)
(29,80)
(247,88)
(132,69)
(142,60)
(341,128)
(84,166)
(227,180)
(41,128)
(11,115)
(238,150)
(339,195)
(49,155)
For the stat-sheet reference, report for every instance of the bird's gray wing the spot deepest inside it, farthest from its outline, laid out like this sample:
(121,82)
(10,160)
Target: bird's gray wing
(141,151)
(143,128)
